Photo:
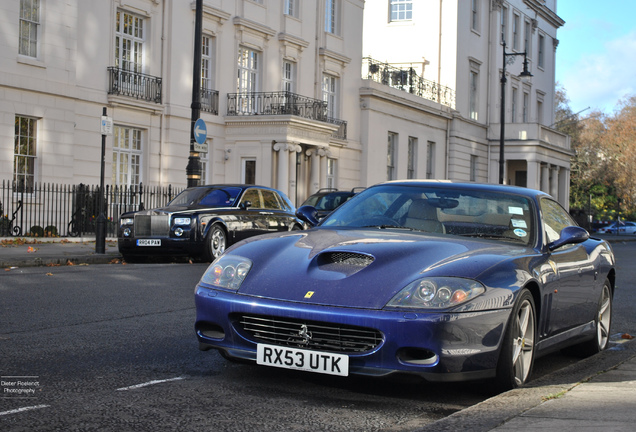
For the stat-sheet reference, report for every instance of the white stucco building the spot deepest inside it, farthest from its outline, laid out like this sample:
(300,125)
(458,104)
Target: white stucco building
(296,94)
(456,46)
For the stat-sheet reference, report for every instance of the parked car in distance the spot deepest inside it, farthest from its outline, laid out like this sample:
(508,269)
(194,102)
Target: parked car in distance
(448,281)
(327,200)
(203,221)
(624,227)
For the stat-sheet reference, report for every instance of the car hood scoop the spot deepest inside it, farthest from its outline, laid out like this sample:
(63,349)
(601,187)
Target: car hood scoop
(345,263)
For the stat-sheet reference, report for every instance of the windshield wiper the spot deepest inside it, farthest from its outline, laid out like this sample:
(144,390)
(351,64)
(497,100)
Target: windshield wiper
(490,236)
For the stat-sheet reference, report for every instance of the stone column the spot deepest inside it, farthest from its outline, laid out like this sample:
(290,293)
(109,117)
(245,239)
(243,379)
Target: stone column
(323,152)
(314,175)
(554,181)
(533,168)
(282,177)
(545,178)
(293,150)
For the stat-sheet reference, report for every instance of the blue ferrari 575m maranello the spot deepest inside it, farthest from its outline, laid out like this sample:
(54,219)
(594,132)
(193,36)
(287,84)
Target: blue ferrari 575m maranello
(450,281)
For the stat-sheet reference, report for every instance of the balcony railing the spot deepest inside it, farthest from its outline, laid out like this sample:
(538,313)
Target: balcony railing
(282,103)
(123,82)
(341,133)
(406,79)
(210,101)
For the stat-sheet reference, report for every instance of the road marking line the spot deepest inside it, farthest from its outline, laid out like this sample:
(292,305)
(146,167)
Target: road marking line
(149,383)
(19,410)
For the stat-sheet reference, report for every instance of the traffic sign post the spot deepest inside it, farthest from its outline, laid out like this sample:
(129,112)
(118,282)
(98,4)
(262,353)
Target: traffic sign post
(200,136)
(106,128)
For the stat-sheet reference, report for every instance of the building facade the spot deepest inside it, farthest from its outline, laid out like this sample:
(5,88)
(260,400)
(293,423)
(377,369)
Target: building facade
(295,94)
(455,50)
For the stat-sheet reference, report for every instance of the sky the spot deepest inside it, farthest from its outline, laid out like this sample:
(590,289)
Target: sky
(596,56)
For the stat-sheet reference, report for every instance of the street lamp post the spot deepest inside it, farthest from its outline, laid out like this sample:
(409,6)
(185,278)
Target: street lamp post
(193,169)
(524,74)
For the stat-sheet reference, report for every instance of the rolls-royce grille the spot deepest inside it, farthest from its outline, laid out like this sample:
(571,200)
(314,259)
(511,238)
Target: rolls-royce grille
(310,335)
(146,225)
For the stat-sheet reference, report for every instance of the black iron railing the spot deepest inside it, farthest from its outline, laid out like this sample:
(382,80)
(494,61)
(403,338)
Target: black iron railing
(341,133)
(276,103)
(210,101)
(53,210)
(282,103)
(406,79)
(123,82)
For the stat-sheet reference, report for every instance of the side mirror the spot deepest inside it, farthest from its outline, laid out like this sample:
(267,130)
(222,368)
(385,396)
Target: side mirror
(245,204)
(570,235)
(308,214)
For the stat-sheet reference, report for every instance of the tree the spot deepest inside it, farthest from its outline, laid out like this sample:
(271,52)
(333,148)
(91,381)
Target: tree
(604,157)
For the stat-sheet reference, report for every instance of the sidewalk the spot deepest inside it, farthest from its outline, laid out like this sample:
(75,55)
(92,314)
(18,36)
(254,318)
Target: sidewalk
(30,252)
(597,393)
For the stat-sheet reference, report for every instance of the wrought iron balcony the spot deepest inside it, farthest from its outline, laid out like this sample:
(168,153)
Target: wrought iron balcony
(282,103)
(341,133)
(406,79)
(276,103)
(123,82)
(210,101)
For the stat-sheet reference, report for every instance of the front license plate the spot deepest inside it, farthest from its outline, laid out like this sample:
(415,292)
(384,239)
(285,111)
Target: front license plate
(149,242)
(305,360)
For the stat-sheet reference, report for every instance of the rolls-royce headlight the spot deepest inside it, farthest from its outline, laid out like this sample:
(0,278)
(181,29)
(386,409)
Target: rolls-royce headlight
(181,221)
(436,293)
(126,221)
(228,271)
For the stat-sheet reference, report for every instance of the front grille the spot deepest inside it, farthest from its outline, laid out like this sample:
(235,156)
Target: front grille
(310,334)
(146,225)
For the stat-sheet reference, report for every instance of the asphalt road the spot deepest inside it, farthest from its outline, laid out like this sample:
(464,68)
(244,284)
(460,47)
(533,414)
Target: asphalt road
(112,347)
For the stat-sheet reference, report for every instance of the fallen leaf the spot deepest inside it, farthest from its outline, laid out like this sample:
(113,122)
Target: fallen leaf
(626,336)
(70,263)
(49,274)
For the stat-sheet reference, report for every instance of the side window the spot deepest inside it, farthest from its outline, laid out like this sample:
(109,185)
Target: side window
(270,200)
(555,218)
(253,196)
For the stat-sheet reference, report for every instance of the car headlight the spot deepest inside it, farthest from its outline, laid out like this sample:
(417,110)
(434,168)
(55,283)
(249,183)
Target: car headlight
(127,221)
(228,271)
(436,293)
(181,221)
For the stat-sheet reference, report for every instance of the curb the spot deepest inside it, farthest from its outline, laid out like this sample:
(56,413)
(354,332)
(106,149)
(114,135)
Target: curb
(493,412)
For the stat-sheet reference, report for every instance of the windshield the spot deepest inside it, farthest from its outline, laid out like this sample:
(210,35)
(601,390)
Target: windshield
(330,201)
(442,210)
(208,197)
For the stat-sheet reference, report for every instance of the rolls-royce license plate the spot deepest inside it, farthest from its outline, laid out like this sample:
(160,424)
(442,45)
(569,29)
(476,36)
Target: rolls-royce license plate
(149,242)
(300,359)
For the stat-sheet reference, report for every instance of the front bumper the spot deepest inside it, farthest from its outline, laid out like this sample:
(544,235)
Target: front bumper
(438,346)
(169,247)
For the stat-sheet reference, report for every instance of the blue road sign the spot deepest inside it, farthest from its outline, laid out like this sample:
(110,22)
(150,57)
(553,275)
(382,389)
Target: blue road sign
(200,131)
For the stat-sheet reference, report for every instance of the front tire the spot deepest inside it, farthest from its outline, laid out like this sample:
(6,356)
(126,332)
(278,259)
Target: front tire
(517,351)
(215,242)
